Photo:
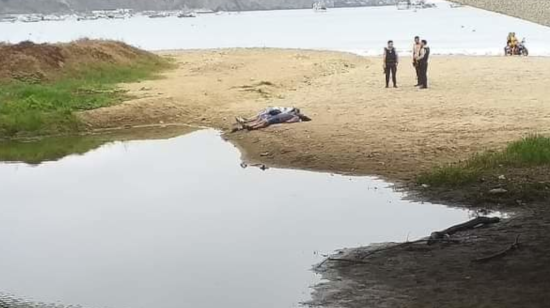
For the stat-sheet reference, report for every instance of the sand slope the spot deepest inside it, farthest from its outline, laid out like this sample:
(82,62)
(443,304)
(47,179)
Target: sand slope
(534,10)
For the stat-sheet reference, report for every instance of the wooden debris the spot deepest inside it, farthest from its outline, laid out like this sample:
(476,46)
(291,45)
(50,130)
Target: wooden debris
(474,223)
(500,254)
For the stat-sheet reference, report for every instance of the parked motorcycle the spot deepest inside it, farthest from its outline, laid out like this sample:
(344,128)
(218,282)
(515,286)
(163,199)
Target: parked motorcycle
(519,50)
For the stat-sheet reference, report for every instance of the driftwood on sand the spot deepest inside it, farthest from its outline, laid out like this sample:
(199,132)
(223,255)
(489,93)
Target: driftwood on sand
(497,255)
(474,223)
(436,237)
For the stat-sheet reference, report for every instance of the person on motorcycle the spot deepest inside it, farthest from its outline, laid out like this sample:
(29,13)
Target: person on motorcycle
(513,46)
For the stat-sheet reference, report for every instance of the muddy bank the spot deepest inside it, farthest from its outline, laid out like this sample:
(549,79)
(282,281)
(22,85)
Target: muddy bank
(503,264)
(447,274)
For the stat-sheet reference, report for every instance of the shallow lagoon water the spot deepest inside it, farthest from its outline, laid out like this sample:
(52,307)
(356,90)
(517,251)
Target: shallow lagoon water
(179,223)
(360,30)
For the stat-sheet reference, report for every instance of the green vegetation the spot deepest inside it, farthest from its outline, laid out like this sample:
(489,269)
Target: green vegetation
(49,149)
(36,108)
(529,152)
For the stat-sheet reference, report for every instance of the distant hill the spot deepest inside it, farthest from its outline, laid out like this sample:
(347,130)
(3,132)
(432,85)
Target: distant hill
(534,10)
(49,6)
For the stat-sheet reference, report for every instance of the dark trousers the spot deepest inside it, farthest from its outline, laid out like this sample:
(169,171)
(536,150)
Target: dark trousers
(391,69)
(423,74)
(417,69)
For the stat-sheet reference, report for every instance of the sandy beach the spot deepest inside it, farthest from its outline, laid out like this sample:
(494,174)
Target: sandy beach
(358,127)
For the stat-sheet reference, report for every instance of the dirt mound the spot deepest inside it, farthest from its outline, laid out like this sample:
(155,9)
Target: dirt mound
(92,51)
(28,61)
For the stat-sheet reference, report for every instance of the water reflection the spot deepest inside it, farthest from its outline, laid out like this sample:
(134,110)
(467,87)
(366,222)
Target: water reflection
(54,148)
(178,223)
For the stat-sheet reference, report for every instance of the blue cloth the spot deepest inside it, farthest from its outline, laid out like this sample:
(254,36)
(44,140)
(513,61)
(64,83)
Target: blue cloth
(280,118)
(269,112)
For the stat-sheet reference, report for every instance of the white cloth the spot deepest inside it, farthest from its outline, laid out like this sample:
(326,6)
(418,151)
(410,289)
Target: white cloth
(416,50)
(284,109)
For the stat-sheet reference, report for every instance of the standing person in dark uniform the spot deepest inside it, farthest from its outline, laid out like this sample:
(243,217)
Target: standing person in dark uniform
(416,53)
(391,60)
(423,60)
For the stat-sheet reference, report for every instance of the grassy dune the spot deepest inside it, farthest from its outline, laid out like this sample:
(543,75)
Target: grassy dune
(41,86)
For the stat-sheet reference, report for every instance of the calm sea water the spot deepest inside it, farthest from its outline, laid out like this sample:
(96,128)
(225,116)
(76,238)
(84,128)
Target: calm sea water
(359,30)
(179,223)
